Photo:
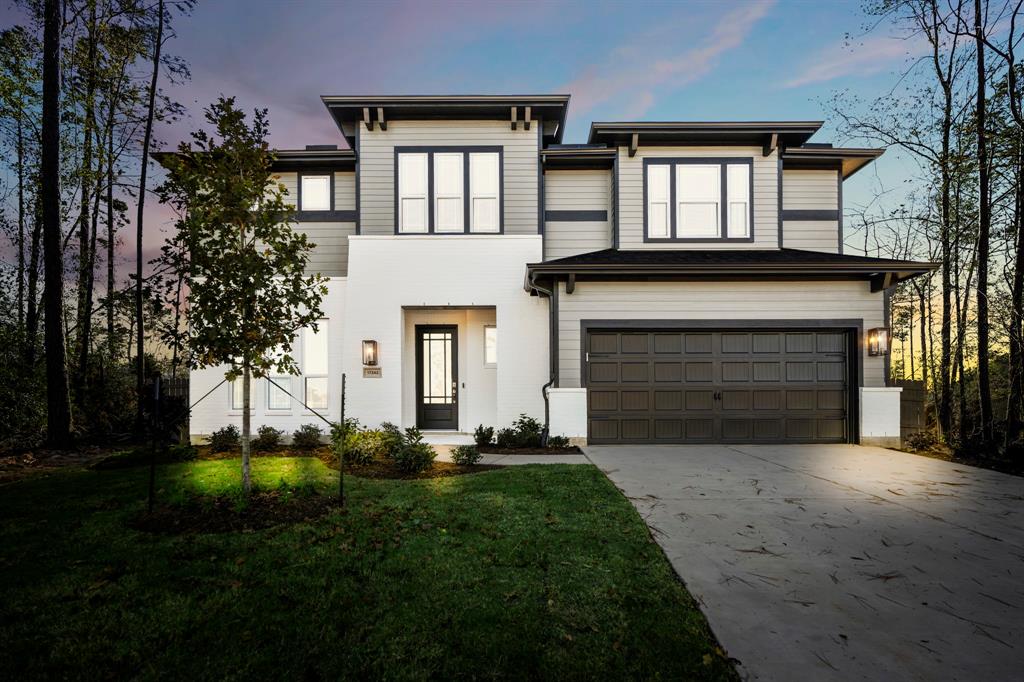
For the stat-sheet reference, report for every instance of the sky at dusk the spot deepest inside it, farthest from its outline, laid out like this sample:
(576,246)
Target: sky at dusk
(764,60)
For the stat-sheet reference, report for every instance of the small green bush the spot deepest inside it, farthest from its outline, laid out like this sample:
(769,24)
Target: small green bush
(506,438)
(483,435)
(307,437)
(921,440)
(267,438)
(465,455)
(182,452)
(227,438)
(528,431)
(362,447)
(558,442)
(414,456)
(392,436)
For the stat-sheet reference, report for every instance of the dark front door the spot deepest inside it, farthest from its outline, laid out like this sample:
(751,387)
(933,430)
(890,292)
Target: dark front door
(437,377)
(731,386)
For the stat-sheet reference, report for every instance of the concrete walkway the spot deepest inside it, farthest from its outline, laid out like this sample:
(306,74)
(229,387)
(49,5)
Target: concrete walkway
(840,562)
(444,455)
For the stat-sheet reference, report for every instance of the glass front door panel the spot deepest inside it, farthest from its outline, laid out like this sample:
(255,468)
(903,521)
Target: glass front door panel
(437,368)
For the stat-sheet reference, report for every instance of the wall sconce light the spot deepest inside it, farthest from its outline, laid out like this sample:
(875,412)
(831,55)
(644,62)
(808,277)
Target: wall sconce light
(370,354)
(878,341)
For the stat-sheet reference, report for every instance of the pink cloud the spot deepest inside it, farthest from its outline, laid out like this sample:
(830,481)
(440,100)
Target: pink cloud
(873,55)
(630,73)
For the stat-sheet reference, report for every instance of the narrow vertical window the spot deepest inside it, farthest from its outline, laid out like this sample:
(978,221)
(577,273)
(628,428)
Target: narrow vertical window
(316,193)
(412,200)
(314,365)
(237,394)
(448,183)
(278,386)
(738,192)
(657,201)
(490,346)
(698,200)
(484,192)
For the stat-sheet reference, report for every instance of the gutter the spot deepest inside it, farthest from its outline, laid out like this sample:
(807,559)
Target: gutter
(532,286)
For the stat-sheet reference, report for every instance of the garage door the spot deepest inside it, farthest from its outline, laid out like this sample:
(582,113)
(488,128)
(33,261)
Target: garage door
(717,386)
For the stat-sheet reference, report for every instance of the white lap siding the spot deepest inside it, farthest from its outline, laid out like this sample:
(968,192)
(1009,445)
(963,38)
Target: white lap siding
(330,253)
(810,190)
(713,301)
(577,190)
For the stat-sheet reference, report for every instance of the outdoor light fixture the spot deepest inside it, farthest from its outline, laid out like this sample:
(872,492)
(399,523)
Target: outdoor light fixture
(878,341)
(370,355)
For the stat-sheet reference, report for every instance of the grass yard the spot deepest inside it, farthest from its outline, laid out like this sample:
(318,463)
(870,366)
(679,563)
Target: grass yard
(522,572)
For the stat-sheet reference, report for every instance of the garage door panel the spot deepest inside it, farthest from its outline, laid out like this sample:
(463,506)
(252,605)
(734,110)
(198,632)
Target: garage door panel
(670,386)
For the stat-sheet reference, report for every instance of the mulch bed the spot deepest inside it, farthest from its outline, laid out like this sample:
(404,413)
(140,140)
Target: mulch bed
(378,468)
(491,450)
(223,514)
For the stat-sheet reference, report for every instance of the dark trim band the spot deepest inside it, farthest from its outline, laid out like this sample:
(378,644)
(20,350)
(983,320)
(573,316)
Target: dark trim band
(795,214)
(576,216)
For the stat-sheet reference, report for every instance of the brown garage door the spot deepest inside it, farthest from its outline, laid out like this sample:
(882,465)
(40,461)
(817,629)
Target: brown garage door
(699,386)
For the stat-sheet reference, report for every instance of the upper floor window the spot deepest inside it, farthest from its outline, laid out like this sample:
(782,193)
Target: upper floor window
(315,193)
(448,190)
(693,199)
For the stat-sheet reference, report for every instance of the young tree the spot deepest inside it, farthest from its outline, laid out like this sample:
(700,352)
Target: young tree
(245,267)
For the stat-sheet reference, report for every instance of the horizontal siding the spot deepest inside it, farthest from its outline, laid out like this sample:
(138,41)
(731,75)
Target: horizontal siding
(811,235)
(810,190)
(712,301)
(330,255)
(576,190)
(377,167)
(290,182)
(344,191)
(631,199)
(568,238)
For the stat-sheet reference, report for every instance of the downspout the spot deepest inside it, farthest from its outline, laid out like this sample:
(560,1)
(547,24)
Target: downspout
(552,322)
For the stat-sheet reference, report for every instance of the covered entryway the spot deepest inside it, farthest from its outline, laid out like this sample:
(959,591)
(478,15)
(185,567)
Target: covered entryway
(743,385)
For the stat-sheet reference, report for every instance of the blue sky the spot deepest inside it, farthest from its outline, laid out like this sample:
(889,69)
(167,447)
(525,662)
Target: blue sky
(744,60)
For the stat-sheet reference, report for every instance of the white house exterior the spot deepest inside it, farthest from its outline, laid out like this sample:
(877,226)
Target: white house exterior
(662,283)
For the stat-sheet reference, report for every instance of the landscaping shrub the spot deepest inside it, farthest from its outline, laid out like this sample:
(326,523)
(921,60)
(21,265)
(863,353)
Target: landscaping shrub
(922,440)
(392,436)
(414,456)
(483,435)
(528,431)
(307,437)
(506,438)
(267,438)
(361,447)
(227,438)
(465,455)
(558,442)
(182,452)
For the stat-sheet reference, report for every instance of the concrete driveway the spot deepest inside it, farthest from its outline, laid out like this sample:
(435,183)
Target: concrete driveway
(840,562)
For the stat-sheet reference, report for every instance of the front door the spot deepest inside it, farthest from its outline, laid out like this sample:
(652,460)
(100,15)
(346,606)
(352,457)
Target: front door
(437,377)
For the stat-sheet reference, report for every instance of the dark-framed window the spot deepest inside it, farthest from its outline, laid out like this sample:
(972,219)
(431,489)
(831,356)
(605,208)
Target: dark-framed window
(698,199)
(306,211)
(449,190)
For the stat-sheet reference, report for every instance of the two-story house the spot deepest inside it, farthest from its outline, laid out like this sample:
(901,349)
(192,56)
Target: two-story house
(670,282)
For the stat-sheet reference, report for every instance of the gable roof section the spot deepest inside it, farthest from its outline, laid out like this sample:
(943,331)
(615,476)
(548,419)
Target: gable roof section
(349,111)
(728,264)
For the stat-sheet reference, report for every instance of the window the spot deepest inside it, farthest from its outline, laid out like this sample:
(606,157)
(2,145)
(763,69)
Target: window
(412,204)
(314,365)
(483,190)
(448,190)
(658,198)
(315,193)
(277,384)
(490,346)
(697,199)
(237,395)
(448,183)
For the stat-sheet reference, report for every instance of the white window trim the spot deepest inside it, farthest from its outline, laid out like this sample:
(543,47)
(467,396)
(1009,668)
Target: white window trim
(491,365)
(322,325)
(403,187)
(666,202)
(438,196)
(724,203)
(495,195)
(302,193)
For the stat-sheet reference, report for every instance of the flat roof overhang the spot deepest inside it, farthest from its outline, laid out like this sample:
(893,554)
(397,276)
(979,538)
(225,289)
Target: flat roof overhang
(295,159)
(849,160)
(578,158)
(351,111)
(766,134)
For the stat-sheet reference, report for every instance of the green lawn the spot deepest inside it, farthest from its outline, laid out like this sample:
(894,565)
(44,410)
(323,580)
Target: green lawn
(524,572)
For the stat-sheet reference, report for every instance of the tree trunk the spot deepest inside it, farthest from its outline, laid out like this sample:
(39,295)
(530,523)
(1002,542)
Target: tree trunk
(58,412)
(32,312)
(111,235)
(246,477)
(1016,375)
(21,223)
(984,224)
(147,136)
